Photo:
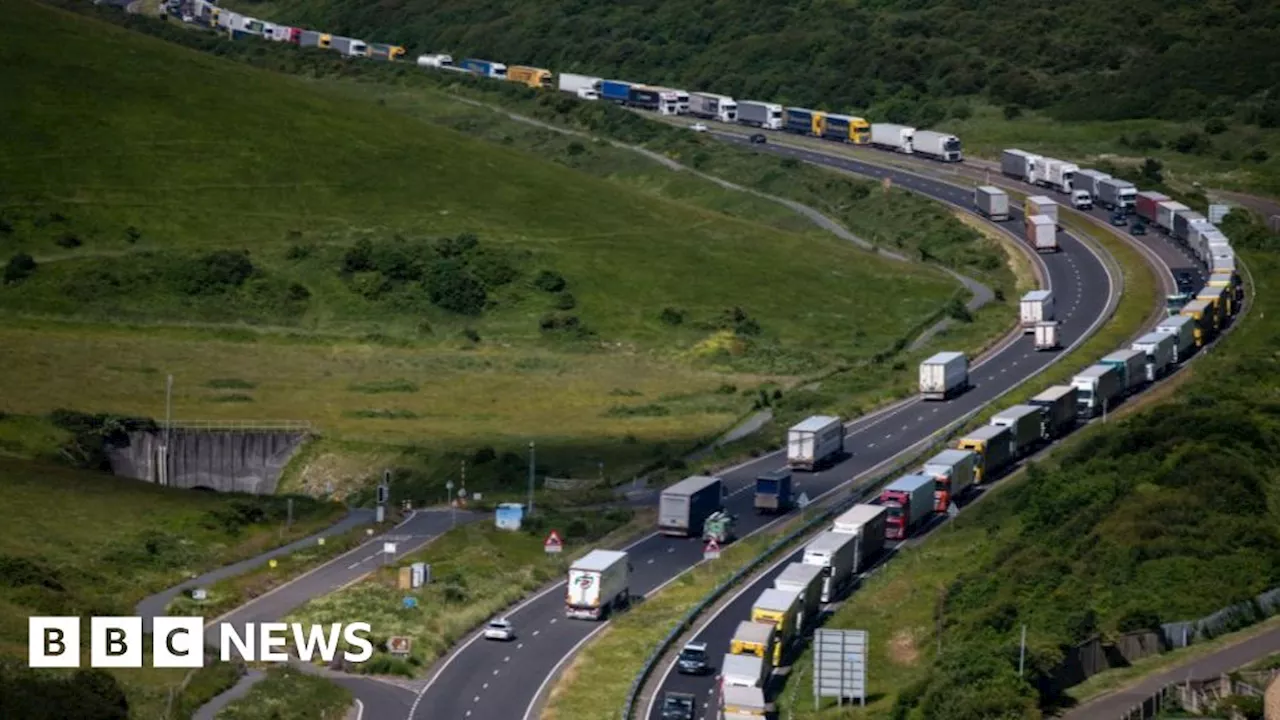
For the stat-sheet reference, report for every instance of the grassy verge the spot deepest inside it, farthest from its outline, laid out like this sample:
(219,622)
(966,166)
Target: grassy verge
(229,594)
(85,543)
(476,570)
(596,681)
(290,694)
(1083,543)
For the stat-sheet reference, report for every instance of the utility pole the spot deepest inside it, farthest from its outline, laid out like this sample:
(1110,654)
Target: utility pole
(531,478)
(1022,651)
(168,427)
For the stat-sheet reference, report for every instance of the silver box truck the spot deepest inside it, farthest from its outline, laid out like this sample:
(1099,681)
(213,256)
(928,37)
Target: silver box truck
(713,106)
(866,522)
(835,553)
(685,506)
(936,145)
(1098,387)
(1088,180)
(1132,365)
(1042,233)
(1116,194)
(1020,165)
(1183,330)
(763,115)
(944,375)
(1159,350)
(1035,307)
(954,472)
(892,137)
(1026,423)
(745,671)
(815,442)
(991,202)
(1048,335)
(349,47)
(807,581)
(598,584)
(1058,174)
(1059,404)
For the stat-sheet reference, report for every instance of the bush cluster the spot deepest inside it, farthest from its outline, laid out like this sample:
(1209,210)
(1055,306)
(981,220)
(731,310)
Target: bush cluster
(455,274)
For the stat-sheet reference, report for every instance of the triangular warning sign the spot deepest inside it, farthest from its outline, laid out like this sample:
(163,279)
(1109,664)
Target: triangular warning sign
(712,547)
(553,540)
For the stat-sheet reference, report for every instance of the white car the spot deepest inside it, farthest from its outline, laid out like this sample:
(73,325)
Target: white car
(698,127)
(499,630)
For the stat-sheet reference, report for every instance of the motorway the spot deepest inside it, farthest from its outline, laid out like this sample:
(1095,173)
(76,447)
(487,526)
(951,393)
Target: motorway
(496,681)
(718,629)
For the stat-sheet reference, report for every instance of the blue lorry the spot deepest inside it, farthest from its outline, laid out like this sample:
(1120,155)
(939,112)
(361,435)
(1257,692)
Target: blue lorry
(773,491)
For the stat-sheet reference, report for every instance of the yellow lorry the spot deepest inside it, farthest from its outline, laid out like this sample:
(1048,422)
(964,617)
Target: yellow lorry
(753,638)
(1218,297)
(781,609)
(1202,312)
(1231,283)
(535,78)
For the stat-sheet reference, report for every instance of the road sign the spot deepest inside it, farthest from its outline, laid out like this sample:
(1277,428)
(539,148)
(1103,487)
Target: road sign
(462,492)
(840,665)
(553,543)
(199,594)
(477,497)
(712,550)
(1217,212)
(389,548)
(803,500)
(399,644)
(421,574)
(272,563)
(320,541)
(409,602)
(383,492)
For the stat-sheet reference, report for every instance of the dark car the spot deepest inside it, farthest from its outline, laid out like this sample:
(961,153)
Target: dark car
(759,139)
(693,660)
(1138,228)
(678,706)
(1185,280)
(1119,219)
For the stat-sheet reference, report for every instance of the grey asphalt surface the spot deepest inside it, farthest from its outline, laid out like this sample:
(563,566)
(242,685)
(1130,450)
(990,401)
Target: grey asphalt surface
(1111,707)
(500,681)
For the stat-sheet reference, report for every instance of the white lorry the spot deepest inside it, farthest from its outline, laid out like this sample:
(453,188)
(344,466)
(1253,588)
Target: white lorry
(583,86)
(1036,307)
(1042,233)
(814,442)
(713,106)
(892,137)
(834,553)
(944,375)
(1058,174)
(767,116)
(598,584)
(1048,335)
(865,522)
(939,146)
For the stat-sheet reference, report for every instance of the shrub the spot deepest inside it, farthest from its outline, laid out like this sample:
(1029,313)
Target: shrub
(737,320)
(359,257)
(1215,126)
(452,287)
(19,268)
(69,241)
(671,316)
(455,247)
(549,281)
(132,234)
(217,272)
(565,301)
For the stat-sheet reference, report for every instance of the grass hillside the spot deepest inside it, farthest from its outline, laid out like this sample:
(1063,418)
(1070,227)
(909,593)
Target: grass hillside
(1166,515)
(84,543)
(993,72)
(292,253)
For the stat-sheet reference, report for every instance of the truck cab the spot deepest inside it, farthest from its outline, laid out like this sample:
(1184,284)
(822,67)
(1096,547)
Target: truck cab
(1081,200)
(678,706)
(720,526)
(1173,304)
(773,491)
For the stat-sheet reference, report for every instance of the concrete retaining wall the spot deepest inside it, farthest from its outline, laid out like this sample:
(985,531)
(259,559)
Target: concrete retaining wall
(248,461)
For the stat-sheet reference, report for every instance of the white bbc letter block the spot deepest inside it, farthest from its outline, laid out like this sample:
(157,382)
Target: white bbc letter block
(115,642)
(177,642)
(53,642)
(270,636)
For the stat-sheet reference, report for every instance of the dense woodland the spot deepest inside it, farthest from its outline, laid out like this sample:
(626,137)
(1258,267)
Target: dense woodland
(1089,59)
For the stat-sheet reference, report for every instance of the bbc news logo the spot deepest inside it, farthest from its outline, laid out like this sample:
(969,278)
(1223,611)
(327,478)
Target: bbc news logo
(178,642)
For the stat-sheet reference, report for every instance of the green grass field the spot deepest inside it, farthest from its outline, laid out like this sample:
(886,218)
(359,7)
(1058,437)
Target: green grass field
(290,694)
(82,543)
(633,316)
